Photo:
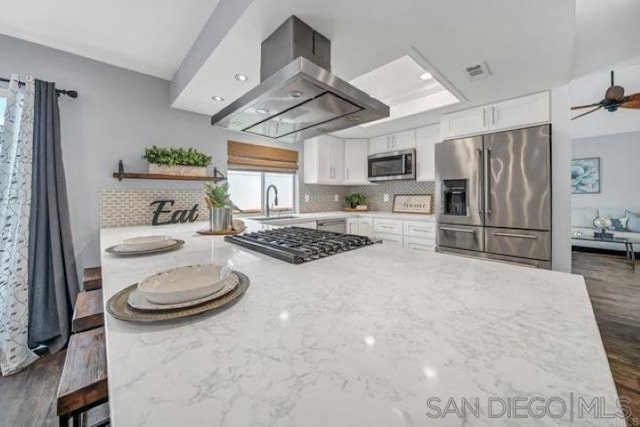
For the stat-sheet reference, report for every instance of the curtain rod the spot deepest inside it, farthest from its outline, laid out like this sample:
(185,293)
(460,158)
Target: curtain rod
(70,93)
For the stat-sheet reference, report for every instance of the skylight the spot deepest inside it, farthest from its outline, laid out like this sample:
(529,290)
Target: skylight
(406,87)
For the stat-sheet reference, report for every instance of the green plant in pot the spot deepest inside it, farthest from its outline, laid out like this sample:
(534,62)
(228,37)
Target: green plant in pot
(355,199)
(218,200)
(176,161)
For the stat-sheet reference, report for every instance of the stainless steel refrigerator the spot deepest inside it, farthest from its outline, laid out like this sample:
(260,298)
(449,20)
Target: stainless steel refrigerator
(494,196)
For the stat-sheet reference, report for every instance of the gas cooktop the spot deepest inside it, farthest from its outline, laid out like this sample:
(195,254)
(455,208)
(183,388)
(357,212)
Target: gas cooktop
(297,245)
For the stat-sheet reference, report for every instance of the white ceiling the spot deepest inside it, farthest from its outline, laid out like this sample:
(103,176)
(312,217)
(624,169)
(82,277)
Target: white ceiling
(528,44)
(607,33)
(149,36)
(406,87)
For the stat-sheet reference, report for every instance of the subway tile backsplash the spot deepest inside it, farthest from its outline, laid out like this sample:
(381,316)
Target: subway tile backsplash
(321,197)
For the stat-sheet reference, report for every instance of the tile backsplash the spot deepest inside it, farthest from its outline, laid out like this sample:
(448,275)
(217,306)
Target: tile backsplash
(128,207)
(125,207)
(321,197)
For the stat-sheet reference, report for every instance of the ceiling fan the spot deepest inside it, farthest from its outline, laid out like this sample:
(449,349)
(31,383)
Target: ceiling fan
(613,99)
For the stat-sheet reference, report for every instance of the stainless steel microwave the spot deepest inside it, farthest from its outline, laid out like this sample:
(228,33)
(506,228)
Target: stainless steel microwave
(391,166)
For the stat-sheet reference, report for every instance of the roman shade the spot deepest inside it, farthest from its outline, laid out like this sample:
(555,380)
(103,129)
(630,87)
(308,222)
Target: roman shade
(243,156)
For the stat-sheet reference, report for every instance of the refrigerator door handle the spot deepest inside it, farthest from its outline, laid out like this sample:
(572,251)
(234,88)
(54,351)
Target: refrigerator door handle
(479,175)
(458,230)
(488,174)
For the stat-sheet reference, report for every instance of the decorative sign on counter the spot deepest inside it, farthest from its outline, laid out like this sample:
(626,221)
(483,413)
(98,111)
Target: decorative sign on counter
(412,203)
(177,216)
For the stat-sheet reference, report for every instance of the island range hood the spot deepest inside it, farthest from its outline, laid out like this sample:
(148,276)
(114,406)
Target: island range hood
(298,97)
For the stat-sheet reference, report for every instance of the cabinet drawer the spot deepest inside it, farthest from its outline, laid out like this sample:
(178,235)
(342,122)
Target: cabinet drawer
(519,243)
(421,245)
(389,239)
(419,229)
(387,226)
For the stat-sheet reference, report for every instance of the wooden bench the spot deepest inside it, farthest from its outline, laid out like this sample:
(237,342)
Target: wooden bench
(92,278)
(89,311)
(83,383)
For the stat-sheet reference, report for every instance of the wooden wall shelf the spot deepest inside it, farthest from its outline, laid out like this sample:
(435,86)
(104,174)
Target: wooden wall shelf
(121,174)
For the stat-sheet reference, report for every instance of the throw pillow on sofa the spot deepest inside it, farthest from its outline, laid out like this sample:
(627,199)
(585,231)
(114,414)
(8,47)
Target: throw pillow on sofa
(619,224)
(633,222)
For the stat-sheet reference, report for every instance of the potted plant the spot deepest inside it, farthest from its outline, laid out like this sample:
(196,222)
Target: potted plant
(218,200)
(176,161)
(355,199)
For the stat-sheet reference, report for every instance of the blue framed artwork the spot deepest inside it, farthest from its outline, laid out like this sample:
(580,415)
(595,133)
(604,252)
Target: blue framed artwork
(585,175)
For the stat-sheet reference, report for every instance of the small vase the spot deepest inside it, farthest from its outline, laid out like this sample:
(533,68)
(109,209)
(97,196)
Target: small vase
(220,219)
(354,205)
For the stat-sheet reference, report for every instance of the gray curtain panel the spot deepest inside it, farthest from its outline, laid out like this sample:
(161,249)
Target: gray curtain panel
(53,281)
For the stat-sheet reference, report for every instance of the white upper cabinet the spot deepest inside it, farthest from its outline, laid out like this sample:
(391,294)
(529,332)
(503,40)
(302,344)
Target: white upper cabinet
(518,112)
(426,139)
(511,114)
(393,142)
(355,161)
(466,122)
(323,160)
(403,140)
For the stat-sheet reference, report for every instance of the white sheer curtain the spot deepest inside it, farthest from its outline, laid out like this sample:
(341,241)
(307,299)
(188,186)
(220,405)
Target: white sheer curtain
(16,146)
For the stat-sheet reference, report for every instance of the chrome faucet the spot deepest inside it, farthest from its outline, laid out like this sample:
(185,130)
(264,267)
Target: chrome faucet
(275,200)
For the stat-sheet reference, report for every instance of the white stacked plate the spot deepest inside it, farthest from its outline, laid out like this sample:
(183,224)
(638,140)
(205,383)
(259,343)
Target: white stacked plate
(183,287)
(145,245)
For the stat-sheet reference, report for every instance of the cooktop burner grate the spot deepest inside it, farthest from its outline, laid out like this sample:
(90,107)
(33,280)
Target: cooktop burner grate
(297,245)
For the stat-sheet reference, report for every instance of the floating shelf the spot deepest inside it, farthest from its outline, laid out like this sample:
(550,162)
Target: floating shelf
(121,174)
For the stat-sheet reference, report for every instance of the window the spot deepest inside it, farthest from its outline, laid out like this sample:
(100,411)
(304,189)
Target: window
(248,190)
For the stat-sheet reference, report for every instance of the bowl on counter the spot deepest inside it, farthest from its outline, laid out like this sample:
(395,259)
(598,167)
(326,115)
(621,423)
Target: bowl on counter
(184,284)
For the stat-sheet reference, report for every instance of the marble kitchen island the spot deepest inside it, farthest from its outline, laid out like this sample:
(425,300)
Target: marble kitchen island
(363,338)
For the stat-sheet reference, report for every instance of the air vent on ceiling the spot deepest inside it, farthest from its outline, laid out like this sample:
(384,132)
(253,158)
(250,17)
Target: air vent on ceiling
(478,71)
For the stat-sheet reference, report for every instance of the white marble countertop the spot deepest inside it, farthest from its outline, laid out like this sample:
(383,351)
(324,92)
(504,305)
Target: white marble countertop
(362,338)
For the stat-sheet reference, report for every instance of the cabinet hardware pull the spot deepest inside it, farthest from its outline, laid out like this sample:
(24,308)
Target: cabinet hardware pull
(458,230)
(522,236)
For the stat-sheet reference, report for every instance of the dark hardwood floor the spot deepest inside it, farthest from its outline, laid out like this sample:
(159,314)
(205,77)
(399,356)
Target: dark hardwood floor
(614,290)
(26,399)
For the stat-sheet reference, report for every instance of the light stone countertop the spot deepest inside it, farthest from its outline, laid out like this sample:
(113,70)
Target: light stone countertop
(362,338)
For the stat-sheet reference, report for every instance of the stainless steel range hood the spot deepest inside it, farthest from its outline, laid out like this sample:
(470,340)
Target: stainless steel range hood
(298,97)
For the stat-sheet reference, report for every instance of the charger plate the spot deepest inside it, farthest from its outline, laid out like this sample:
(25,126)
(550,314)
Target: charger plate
(119,308)
(114,249)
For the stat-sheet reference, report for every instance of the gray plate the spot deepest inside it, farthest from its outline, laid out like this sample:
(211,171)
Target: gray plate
(178,244)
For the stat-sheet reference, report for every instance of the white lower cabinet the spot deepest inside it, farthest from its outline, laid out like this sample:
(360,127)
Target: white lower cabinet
(420,235)
(418,244)
(365,227)
(387,226)
(307,224)
(352,226)
(389,239)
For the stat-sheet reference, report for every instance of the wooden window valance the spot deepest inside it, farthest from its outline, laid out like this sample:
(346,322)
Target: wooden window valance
(243,156)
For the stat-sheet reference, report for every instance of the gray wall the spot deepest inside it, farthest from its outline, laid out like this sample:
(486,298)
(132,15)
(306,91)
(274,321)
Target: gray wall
(117,114)
(619,170)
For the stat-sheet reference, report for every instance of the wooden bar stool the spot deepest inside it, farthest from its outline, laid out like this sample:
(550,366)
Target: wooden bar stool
(83,383)
(92,278)
(88,312)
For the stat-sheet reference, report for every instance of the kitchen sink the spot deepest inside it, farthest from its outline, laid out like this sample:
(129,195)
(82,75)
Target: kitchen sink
(272,218)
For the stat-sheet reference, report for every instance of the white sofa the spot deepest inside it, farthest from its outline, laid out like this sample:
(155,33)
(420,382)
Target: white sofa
(582,221)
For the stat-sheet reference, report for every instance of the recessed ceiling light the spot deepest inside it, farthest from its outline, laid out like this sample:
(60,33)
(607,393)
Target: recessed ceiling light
(262,111)
(241,77)
(425,76)
(295,94)
(217,98)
